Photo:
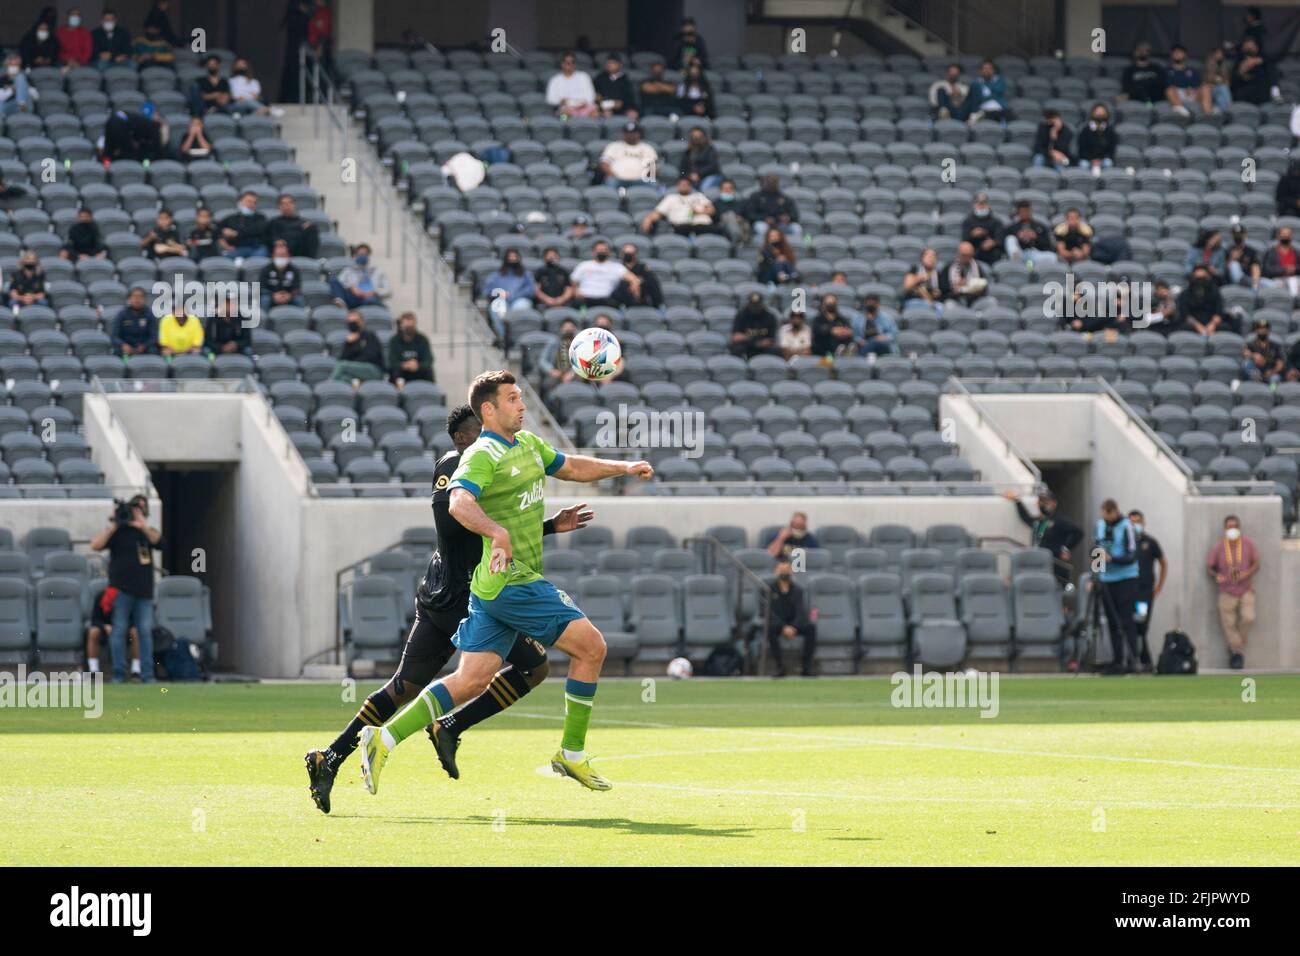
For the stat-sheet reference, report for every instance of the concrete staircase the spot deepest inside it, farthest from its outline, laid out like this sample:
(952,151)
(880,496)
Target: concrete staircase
(877,15)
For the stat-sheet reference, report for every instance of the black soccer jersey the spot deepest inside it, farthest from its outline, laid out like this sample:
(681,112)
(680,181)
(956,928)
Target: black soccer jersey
(446,581)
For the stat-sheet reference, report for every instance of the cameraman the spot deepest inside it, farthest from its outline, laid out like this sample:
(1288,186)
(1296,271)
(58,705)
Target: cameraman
(1114,534)
(130,542)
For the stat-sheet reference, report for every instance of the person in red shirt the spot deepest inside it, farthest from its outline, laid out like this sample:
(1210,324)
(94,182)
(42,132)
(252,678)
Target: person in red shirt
(320,30)
(75,45)
(1233,563)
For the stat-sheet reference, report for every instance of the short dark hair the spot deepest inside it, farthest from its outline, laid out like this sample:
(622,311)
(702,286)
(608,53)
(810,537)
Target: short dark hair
(1177,46)
(457,417)
(484,389)
(1136,511)
(1109,505)
(1232,518)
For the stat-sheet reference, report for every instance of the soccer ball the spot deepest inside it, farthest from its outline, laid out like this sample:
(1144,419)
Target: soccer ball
(679,668)
(595,354)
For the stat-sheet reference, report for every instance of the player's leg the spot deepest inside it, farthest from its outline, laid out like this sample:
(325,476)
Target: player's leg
(585,645)
(93,636)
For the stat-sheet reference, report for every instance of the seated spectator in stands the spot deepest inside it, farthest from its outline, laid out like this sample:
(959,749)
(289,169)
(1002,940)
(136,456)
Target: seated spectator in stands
(409,356)
(1253,78)
(789,619)
(1182,82)
(361,357)
(39,46)
(246,90)
(729,205)
(551,283)
(777,262)
(753,330)
(988,95)
(1027,238)
(795,337)
(922,280)
(658,93)
(1053,141)
(832,330)
(695,93)
(1143,80)
(614,93)
(280,281)
(360,282)
(1091,317)
(769,208)
(164,239)
(1262,357)
(1097,140)
(15,90)
(950,97)
(689,45)
(1216,94)
(203,240)
(1288,190)
(152,49)
(101,629)
(135,327)
(699,162)
(1207,250)
(9,193)
(509,288)
(1073,238)
(570,92)
(110,42)
(243,232)
(27,283)
(629,162)
(964,279)
(1280,263)
(131,574)
(601,279)
(793,535)
(180,334)
(560,370)
(75,43)
(131,135)
(690,213)
(226,333)
(879,329)
(1163,316)
(981,229)
(194,145)
(158,17)
(650,292)
(581,226)
(301,235)
(1293,362)
(1200,307)
(210,93)
(84,240)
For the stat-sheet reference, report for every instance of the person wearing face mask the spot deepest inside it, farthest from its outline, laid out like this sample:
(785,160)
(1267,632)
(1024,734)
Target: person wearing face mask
(1097,141)
(361,356)
(280,281)
(832,331)
(202,242)
(1233,563)
(1200,306)
(1262,357)
(789,619)
(950,97)
(75,43)
(1143,79)
(210,93)
(877,328)
(560,370)
(1281,264)
(689,46)
(552,286)
(1287,194)
(15,90)
(981,229)
(159,20)
(299,234)
(110,42)
(27,285)
(152,49)
(795,337)
(1049,531)
(1244,267)
(1114,535)
(793,536)
(727,206)
(135,327)
(649,291)
(700,162)
(988,95)
(226,333)
(84,239)
(1208,251)
(1254,79)
(243,232)
(753,331)
(360,283)
(1052,141)
(409,356)
(132,135)
(1182,82)
(245,90)
(164,239)
(1150,556)
(509,288)
(39,46)
(130,547)
(1216,94)
(597,281)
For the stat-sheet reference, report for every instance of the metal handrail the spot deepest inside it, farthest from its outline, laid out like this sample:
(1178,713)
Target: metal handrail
(714,548)
(955,385)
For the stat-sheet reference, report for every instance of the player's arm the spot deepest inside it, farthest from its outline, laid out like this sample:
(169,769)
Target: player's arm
(568,519)
(466,509)
(585,468)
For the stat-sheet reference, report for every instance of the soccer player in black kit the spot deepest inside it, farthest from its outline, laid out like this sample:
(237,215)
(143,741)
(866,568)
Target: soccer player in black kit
(441,601)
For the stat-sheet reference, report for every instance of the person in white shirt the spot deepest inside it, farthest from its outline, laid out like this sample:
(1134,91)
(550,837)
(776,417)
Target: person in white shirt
(687,211)
(245,90)
(570,91)
(630,162)
(795,337)
(600,280)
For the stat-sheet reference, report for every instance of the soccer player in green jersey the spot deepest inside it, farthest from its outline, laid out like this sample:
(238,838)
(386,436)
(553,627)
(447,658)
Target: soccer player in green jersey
(497,492)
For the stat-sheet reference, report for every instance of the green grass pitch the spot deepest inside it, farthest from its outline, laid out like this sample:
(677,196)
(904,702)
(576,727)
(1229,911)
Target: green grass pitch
(1072,771)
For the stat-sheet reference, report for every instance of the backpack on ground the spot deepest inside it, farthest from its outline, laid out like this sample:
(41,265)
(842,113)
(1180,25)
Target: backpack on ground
(724,661)
(1178,656)
(180,659)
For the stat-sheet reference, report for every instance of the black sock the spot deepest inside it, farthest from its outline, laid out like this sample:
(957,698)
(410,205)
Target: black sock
(506,688)
(373,713)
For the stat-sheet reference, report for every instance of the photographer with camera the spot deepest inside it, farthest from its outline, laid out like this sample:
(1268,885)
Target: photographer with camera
(1115,537)
(130,542)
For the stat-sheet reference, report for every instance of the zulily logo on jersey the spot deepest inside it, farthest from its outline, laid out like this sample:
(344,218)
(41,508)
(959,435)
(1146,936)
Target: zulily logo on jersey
(532,496)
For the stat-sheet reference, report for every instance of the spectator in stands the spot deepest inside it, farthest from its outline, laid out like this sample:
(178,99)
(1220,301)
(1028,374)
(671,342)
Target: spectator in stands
(1149,555)
(180,334)
(1288,190)
(1200,307)
(981,229)
(246,90)
(695,93)
(988,95)
(1233,563)
(777,262)
(1208,251)
(949,97)
(158,17)
(570,92)
(650,293)
(922,280)
(1243,265)
(84,240)
(15,89)
(552,285)
(600,280)
(361,356)
(152,49)
(409,356)
(581,226)
(243,232)
(280,281)
(560,371)
(320,31)
(699,162)
(226,333)
(789,619)
(1263,359)
(1216,93)
(131,135)
(689,46)
(164,239)
(210,93)
(1163,317)
(203,240)
(1073,237)
(1293,362)
(794,535)
(101,626)
(1114,534)
(964,279)
(135,327)
(511,283)
(1253,77)
(110,42)
(833,332)
(658,93)
(795,337)
(1280,262)
(39,46)
(730,218)
(361,282)
(629,162)
(194,145)
(772,208)
(1089,316)
(753,331)
(1143,80)
(1049,531)
(614,93)
(1097,140)
(75,43)
(1182,82)
(690,213)
(27,284)
(1053,141)
(301,235)
(879,329)
(1027,238)
(131,571)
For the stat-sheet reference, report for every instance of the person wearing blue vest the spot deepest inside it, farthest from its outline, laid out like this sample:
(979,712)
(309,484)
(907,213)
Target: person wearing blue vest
(1115,538)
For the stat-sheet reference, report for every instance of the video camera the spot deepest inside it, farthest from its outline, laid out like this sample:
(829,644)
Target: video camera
(123,511)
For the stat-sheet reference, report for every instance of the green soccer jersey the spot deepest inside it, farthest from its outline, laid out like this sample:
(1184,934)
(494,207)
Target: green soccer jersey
(507,478)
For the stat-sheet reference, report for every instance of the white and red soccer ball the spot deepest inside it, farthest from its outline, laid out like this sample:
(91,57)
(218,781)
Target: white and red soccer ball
(595,354)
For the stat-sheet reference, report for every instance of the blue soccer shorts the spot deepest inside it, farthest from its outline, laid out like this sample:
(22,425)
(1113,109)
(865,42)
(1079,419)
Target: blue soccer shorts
(538,609)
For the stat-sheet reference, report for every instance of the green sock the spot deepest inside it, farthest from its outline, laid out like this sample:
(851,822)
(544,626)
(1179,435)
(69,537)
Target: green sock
(432,703)
(578,698)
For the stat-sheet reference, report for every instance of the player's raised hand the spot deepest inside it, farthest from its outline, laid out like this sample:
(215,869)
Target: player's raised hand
(502,552)
(640,469)
(573,517)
